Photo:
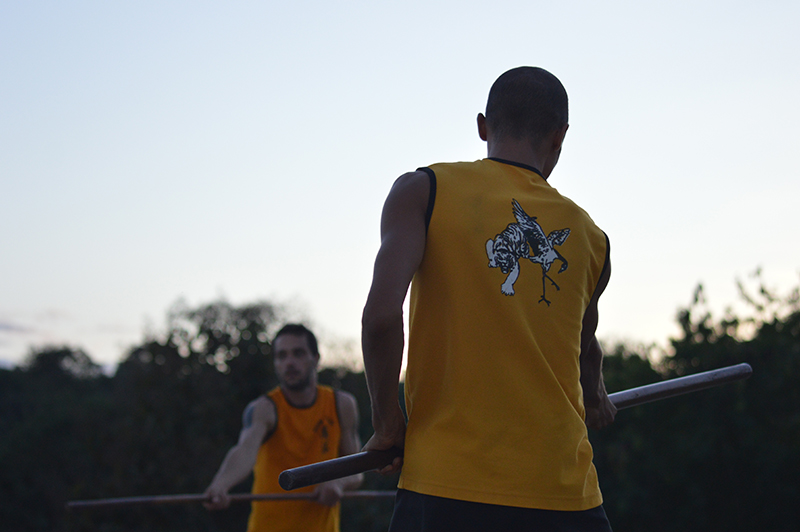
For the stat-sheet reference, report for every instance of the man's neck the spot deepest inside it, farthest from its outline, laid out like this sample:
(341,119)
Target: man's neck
(517,152)
(303,397)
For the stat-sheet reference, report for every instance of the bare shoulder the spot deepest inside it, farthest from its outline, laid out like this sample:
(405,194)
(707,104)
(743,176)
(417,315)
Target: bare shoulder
(260,411)
(411,185)
(407,203)
(417,177)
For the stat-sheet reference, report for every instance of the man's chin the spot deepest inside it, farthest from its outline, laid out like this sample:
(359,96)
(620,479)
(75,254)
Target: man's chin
(296,386)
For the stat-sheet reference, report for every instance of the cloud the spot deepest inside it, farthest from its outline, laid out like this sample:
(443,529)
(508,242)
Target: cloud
(52,315)
(6,327)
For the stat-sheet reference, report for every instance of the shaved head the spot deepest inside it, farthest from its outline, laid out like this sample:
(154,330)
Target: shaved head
(526,103)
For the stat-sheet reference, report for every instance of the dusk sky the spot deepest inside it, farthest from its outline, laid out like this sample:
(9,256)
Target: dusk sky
(151,151)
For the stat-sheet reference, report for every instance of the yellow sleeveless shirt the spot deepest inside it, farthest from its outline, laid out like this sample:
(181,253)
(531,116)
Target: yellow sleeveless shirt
(492,384)
(301,436)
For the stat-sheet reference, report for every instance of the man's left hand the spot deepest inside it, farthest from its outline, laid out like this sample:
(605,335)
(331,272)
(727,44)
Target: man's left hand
(329,493)
(602,415)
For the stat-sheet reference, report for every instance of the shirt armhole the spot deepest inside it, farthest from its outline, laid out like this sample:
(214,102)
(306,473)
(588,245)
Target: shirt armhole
(431,195)
(606,263)
(269,434)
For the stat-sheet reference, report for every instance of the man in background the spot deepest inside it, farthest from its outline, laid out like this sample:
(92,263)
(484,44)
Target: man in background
(504,370)
(295,424)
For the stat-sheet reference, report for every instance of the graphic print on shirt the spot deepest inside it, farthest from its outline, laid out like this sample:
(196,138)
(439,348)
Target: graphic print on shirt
(525,240)
(322,431)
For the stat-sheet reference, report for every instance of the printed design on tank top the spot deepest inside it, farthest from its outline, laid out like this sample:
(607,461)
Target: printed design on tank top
(322,429)
(525,240)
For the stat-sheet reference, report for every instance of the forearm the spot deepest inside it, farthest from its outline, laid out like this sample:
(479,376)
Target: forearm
(591,366)
(600,411)
(236,466)
(382,345)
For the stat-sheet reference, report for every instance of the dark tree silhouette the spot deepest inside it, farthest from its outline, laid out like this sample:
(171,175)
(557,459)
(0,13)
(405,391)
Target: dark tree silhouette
(721,459)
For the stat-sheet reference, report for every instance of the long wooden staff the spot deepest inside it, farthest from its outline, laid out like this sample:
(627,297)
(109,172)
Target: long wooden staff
(353,464)
(236,497)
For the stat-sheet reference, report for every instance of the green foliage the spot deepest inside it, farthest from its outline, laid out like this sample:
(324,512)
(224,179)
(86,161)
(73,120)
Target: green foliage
(720,459)
(48,444)
(161,425)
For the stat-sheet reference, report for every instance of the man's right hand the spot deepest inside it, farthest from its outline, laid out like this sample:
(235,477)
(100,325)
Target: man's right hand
(216,499)
(389,432)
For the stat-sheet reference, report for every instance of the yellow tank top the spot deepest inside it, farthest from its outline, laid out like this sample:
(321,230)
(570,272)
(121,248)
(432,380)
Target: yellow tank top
(301,436)
(492,383)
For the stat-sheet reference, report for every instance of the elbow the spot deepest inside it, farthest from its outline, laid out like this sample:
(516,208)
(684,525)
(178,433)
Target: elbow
(378,320)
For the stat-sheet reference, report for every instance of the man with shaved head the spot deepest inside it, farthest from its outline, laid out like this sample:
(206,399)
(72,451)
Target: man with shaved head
(504,370)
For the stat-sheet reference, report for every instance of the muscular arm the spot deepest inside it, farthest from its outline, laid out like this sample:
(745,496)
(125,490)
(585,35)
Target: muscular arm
(329,493)
(599,409)
(258,420)
(403,236)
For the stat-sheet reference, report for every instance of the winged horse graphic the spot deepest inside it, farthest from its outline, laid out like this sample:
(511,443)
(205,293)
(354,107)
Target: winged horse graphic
(526,240)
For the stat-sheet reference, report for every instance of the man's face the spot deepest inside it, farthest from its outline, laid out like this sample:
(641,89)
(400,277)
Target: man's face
(295,364)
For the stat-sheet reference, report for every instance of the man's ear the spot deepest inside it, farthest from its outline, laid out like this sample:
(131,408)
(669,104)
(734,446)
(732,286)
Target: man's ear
(482,127)
(558,138)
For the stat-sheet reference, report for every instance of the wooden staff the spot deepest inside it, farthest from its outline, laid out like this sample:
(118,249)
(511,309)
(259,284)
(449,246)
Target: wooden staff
(236,497)
(353,464)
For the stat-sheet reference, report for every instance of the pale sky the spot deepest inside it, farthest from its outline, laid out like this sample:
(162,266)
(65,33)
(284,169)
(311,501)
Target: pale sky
(151,151)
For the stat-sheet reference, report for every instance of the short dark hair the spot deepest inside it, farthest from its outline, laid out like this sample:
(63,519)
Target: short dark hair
(526,103)
(296,329)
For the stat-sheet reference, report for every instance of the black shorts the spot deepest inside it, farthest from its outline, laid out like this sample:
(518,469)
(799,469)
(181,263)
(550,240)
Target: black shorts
(415,512)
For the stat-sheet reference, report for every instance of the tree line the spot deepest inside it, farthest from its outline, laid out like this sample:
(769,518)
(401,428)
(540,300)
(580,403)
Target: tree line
(721,459)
